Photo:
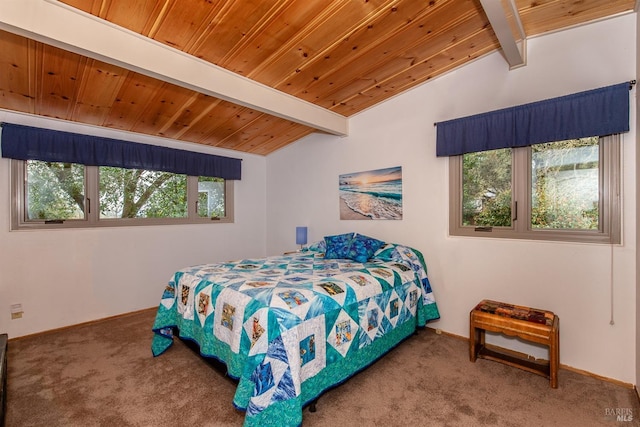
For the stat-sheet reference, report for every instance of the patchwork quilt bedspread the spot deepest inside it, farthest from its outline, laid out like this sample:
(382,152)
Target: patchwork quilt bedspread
(289,327)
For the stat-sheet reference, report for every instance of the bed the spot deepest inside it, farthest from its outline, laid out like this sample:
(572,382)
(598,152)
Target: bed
(290,327)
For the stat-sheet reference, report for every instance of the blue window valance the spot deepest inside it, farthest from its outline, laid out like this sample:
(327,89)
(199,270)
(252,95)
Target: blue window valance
(30,143)
(597,112)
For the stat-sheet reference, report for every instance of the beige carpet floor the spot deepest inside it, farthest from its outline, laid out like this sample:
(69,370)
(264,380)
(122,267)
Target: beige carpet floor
(103,374)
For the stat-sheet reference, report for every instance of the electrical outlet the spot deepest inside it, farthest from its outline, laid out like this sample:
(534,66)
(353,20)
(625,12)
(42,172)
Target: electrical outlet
(16,311)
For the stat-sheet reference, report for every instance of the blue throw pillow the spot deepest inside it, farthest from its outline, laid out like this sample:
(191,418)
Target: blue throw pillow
(338,246)
(363,247)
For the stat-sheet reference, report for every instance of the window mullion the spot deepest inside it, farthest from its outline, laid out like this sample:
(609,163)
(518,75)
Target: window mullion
(92,196)
(192,197)
(521,175)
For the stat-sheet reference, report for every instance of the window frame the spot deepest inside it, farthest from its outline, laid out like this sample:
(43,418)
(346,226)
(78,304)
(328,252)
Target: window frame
(92,202)
(609,230)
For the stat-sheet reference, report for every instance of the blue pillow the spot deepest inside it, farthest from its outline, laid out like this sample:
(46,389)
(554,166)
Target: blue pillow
(363,247)
(338,246)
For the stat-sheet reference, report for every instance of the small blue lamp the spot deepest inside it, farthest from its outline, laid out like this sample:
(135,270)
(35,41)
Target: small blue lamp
(301,236)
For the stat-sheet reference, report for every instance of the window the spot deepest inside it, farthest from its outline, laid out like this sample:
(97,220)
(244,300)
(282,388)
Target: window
(54,191)
(67,195)
(139,193)
(507,180)
(564,190)
(211,197)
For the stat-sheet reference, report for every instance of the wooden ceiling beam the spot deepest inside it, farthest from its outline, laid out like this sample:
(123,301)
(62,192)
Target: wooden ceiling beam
(59,25)
(505,21)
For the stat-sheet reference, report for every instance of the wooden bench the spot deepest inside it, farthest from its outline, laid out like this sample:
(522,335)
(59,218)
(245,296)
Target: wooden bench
(529,324)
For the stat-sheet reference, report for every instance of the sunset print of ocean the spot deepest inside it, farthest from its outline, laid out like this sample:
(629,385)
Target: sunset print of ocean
(375,194)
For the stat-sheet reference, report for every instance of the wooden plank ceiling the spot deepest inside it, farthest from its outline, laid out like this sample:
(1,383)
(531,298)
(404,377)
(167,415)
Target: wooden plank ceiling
(342,55)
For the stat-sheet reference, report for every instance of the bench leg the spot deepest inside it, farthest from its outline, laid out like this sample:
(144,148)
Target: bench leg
(476,340)
(472,340)
(554,358)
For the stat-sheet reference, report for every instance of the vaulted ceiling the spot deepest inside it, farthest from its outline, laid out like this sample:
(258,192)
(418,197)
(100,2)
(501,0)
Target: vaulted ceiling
(251,75)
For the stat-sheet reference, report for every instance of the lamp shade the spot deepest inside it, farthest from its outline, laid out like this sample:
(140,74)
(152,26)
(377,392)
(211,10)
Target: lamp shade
(301,235)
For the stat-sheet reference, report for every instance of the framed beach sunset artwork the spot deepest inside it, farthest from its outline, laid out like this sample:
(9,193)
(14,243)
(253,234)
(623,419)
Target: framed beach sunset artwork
(374,194)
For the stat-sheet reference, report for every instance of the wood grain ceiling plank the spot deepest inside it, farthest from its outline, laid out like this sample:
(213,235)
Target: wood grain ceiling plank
(402,30)
(469,26)
(439,64)
(229,132)
(249,37)
(59,76)
(90,6)
(318,37)
(217,17)
(139,16)
(135,94)
(249,137)
(157,17)
(104,7)
(264,134)
(291,133)
(170,127)
(228,28)
(353,48)
(549,15)
(260,130)
(195,109)
(290,136)
(388,59)
(278,135)
(259,48)
(161,109)
(199,114)
(283,129)
(184,22)
(99,86)
(205,129)
(16,68)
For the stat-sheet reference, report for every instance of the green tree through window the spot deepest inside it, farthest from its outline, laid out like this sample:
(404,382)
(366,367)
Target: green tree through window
(136,193)
(66,195)
(486,198)
(54,191)
(563,190)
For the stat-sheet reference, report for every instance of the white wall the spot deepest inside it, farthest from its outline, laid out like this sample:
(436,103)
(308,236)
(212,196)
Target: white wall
(65,277)
(572,280)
